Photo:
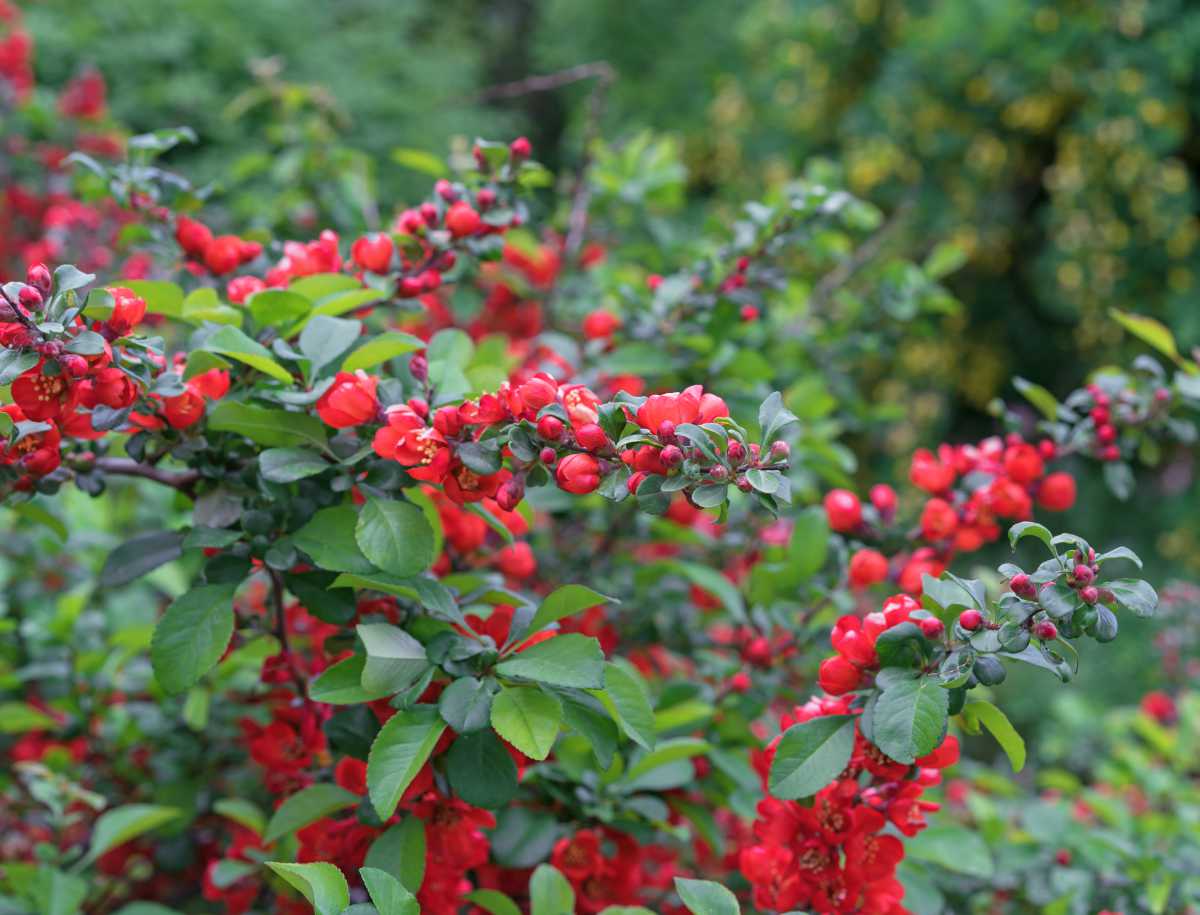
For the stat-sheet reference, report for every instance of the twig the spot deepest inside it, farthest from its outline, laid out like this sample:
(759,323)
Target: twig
(597,69)
(183,480)
(281,630)
(844,272)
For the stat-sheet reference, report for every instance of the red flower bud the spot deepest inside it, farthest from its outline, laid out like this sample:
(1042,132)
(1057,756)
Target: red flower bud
(520,148)
(1089,595)
(192,236)
(736,452)
(1083,574)
(38,276)
(578,474)
(883,497)
(843,509)
(462,219)
(1057,492)
(1045,630)
(592,437)
(837,676)
(349,401)
(932,627)
(550,427)
(418,367)
(671,456)
(600,324)
(867,567)
(1022,586)
(970,620)
(509,496)
(548,456)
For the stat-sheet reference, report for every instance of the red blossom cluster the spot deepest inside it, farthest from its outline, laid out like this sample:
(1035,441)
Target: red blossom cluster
(970,489)
(834,856)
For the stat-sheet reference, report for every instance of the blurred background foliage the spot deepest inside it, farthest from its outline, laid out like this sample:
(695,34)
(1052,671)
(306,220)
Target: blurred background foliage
(1052,142)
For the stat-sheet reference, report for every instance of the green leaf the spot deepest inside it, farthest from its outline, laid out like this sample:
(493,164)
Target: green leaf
(286,465)
(910,718)
(527,718)
(978,711)
(243,812)
(550,893)
(493,901)
(232,342)
(307,806)
(810,755)
(955,848)
(1148,330)
(420,161)
(191,636)
(119,825)
(626,694)
(466,704)
(273,428)
(1059,599)
(400,851)
(564,601)
(329,538)
(324,339)
(1024,529)
(56,893)
(341,684)
(276,307)
(711,581)
(774,417)
(204,304)
(139,555)
(394,658)
(400,749)
(1134,595)
(565,660)
(666,752)
(67,277)
(321,883)
(162,298)
(380,348)
(1046,402)
(389,894)
(704,897)
(18,717)
(481,771)
(1121,552)
(318,286)
(395,537)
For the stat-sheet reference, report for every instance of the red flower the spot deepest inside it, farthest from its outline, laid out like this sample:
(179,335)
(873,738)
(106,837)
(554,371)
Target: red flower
(600,324)
(373,252)
(349,401)
(1023,463)
(837,676)
(867,567)
(929,473)
(406,438)
(110,387)
(41,397)
(128,310)
(938,520)
(1057,492)
(192,235)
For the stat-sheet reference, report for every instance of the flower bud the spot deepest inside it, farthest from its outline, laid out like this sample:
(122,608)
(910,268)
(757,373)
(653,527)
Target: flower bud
(666,431)
(592,437)
(30,298)
(736,452)
(671,456)
(1089,595)
(719,474)
(1045,630)
(1022,586)
(970,620)
(509,496)
(1083,574)
(38,276)
(550,427)
(548,456)
(932,627)
(418,366)
(780,451)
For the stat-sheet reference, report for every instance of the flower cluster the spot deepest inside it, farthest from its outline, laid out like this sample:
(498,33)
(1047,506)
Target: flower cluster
(836,856)
(971,490)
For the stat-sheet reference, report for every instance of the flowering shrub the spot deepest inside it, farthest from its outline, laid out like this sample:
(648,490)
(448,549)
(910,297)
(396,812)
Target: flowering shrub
(460,566)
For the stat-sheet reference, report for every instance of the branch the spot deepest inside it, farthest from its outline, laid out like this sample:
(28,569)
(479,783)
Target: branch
(598,69)
(844,272)
(183,480)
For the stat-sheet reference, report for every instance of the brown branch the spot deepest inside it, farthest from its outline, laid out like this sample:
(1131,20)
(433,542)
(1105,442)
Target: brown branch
(844,272)
(281,630)
(598,69)
(183,480)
